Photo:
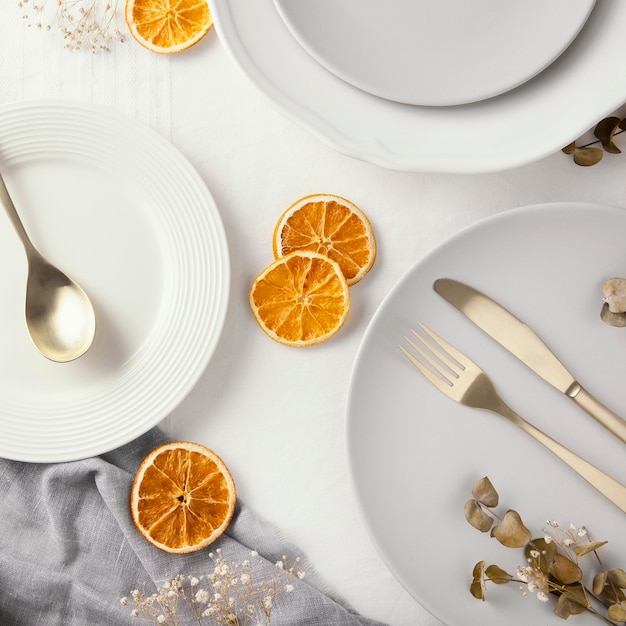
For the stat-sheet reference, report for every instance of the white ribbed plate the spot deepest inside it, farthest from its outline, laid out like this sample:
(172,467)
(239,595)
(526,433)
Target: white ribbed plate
(119,209)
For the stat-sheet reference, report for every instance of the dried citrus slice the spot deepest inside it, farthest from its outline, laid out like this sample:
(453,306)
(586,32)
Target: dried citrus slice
(183,497)
(167,26)
(301,299)
(330,225)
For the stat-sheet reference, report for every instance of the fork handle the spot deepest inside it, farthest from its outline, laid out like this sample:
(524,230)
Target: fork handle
(605,484)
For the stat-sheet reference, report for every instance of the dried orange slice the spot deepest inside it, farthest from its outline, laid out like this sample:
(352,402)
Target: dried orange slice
(330,225)
(167,26)
(183,497)
(301,299)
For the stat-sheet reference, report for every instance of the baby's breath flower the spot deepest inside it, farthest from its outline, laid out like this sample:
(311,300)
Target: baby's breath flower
(83,24)
(232,595)
(202,596)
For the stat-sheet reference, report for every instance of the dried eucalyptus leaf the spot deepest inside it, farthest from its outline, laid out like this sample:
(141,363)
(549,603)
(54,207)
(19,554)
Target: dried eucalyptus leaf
(545,549)
(565,570)
(572,602)
(617,576)
(477,588)
(599,580)
(569,149)
(588,547)
(587,156)
(614,294)
(612,319)
(485,492)
(617,612)
(604,131)
(497,575)
(613,594)
(475,515)
(511,532)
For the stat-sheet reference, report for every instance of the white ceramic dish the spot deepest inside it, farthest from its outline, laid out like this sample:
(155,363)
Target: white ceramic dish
(518,127)
(435,53)
(414,453)
(121,211)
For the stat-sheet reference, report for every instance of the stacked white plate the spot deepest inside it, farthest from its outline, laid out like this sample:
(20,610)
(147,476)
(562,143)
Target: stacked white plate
(421,86)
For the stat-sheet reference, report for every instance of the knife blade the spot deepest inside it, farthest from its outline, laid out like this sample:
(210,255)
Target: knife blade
(524,343)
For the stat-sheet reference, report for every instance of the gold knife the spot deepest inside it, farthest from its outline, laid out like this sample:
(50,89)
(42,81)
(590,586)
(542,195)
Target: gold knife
(525,344)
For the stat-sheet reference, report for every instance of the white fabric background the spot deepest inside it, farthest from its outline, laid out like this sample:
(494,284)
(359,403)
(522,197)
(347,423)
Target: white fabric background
(275,414)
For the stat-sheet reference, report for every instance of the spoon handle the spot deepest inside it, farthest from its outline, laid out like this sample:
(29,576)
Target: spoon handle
(9,207)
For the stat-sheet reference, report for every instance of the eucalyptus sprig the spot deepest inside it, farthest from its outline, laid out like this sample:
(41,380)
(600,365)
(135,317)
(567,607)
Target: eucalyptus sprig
(605,132)
(554,562)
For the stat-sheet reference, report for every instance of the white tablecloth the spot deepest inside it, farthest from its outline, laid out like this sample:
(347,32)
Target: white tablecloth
(276,414)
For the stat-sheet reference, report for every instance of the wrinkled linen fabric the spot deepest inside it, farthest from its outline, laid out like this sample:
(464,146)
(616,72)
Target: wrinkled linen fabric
(69,550)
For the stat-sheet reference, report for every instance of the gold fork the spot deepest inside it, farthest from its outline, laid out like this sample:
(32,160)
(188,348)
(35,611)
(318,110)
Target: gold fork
(463,381)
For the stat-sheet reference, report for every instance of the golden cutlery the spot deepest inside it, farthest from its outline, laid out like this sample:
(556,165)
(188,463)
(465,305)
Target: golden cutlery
(59,315)
(463,381)
(525,344)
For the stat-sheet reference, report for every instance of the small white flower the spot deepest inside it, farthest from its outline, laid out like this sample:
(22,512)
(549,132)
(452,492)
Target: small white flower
(193,581)
(245,579)
(542,597)
(268,602)
(161,619)
(568,542)
(221,569)
(124,601)
(280,564)
(548,539)
(582,532)
(288,588)
(254,553)
(202,596)
(301,575)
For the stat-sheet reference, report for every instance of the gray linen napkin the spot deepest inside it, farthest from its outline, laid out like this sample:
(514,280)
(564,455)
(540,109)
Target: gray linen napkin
(69,550)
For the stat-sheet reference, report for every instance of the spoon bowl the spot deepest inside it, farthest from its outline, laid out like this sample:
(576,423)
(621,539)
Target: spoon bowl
(59,315)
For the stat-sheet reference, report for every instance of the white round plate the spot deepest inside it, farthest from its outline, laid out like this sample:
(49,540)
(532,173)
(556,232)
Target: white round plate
(534,120)
(414,453)
(435,53)
(120,210)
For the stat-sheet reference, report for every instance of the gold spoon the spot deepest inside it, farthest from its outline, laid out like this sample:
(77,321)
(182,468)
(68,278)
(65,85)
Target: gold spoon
(59,315)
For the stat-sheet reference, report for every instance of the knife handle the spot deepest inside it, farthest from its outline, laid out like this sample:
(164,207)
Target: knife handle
(599,412)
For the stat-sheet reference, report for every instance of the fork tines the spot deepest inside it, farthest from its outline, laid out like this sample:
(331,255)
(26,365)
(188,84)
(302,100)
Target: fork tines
(440,361)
